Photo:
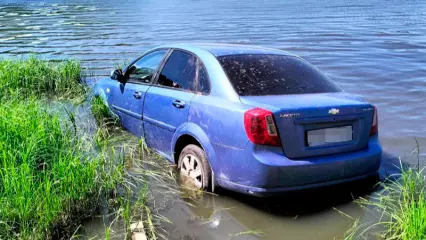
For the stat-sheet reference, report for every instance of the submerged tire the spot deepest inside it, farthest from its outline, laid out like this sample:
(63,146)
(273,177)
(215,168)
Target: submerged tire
(194,168)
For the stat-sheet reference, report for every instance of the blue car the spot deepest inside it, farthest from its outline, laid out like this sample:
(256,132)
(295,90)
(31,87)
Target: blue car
(250,119)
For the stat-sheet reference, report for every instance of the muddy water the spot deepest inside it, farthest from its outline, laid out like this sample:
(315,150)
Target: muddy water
(375,49)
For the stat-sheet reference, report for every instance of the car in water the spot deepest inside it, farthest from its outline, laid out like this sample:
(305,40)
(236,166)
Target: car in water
(250,119)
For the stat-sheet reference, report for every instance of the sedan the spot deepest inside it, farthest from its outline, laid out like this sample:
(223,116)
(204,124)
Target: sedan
(251,119)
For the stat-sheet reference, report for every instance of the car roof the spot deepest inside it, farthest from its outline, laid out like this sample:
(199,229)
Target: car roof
(220,49)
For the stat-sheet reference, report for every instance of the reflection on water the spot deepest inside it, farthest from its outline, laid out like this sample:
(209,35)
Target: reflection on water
(375,49)
(298,215)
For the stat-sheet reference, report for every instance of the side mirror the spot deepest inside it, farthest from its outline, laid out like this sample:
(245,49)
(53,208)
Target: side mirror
(119,76)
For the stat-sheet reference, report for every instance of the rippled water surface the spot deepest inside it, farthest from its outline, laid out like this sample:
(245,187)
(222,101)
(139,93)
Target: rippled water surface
(373,48)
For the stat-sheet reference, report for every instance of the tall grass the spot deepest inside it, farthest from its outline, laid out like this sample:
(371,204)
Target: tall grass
(402,204)
(46,178)
(145,173)
(101,113)
(20,78)
(52,173)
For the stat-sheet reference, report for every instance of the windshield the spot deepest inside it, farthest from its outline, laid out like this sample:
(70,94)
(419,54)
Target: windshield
(266,74)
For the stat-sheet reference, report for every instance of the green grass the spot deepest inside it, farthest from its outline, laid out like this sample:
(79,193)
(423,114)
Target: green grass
(53,174)
(46,176)
(102,113)
(132,205)
(20,78)
(402,205)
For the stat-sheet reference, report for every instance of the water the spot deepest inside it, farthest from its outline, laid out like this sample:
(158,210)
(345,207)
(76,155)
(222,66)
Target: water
(375,49)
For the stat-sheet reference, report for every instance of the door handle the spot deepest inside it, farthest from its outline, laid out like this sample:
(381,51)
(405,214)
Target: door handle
(137,95)
(178,103)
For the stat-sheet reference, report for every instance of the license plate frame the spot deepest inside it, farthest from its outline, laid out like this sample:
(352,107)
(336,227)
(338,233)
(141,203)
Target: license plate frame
(330,135)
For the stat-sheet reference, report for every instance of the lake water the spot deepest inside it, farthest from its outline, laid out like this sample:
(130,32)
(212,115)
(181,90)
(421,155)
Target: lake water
(373,48)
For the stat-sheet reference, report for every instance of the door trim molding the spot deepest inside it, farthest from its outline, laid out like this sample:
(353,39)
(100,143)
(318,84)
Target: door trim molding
(159,124)
(125,111)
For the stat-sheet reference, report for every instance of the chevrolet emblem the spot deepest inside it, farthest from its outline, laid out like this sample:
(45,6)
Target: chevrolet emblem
(333,111)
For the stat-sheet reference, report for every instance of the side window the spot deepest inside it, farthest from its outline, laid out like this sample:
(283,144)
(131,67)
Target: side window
(144,68)
(180,71)
(203,85)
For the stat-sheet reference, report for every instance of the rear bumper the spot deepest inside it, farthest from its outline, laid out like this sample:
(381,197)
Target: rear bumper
(263,170)
(265,192)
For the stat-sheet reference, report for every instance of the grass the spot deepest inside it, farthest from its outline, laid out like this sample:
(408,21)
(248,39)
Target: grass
(46,176)
(402,205)
(143,168)
(20,78)
(54,173)
(102,114)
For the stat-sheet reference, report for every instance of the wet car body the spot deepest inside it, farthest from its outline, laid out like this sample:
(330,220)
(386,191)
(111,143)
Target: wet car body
(297,133)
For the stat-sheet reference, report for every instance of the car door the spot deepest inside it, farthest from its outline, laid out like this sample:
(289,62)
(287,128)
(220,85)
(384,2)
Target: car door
(167,102)
(129,98)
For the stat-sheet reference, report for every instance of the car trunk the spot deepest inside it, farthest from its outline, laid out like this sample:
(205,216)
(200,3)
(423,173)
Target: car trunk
(318,124)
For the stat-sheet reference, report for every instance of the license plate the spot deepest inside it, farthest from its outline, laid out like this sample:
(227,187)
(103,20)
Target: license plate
(329,135)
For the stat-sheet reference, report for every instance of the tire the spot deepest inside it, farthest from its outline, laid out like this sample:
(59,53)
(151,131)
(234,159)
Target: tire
(201,165)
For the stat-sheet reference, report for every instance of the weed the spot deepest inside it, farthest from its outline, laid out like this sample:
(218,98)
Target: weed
(102,113)
(20,78)
(44,177)
(402,204)
(52,173)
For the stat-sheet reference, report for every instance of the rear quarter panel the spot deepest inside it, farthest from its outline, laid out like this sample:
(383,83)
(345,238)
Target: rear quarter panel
(222,121)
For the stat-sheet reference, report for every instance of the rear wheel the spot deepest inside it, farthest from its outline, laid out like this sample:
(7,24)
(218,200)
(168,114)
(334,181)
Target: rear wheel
(194,168)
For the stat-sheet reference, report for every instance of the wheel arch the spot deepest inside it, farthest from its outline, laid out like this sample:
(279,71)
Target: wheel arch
(183,141)
(190,133)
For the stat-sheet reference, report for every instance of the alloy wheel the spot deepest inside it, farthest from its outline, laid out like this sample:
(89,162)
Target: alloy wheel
(191,169)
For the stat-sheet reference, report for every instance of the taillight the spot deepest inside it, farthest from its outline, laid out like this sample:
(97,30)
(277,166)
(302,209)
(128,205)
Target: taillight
(375,124)
(260,127)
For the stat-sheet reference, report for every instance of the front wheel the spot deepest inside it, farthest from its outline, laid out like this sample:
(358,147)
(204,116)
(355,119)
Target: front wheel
(194,168)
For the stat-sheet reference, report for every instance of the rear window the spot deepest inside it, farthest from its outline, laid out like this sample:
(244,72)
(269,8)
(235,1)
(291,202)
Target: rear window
(264,74)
